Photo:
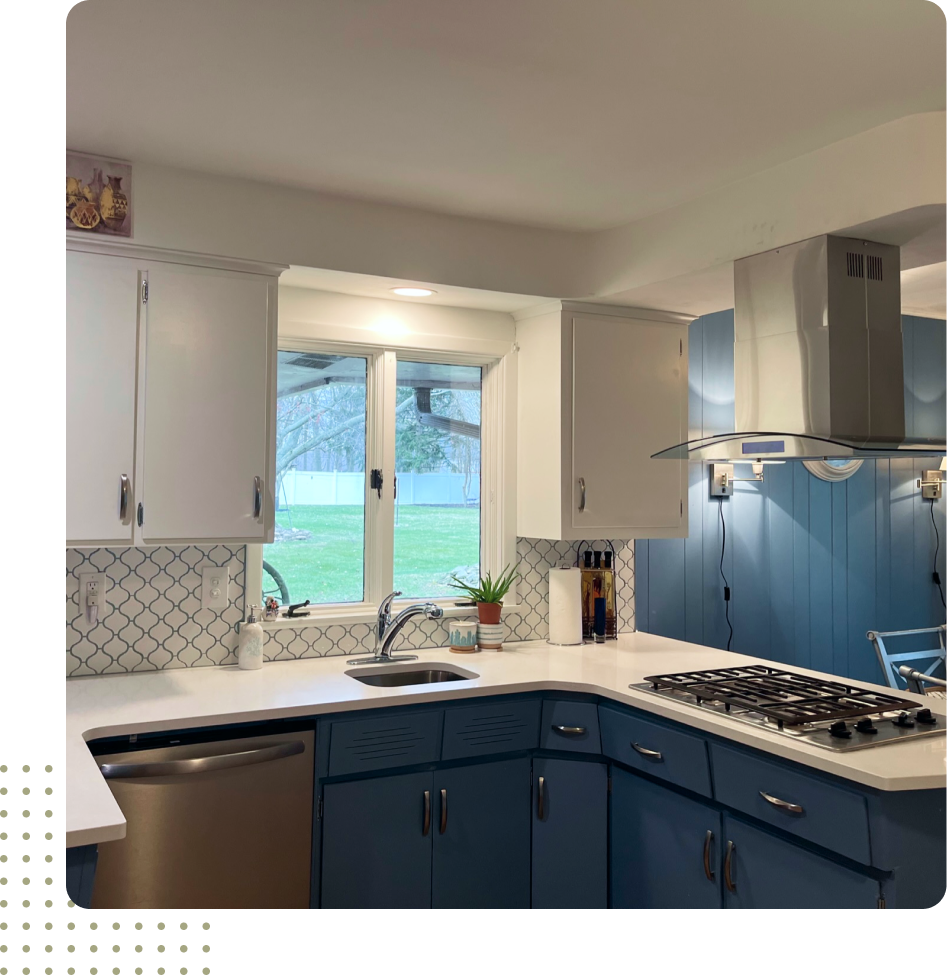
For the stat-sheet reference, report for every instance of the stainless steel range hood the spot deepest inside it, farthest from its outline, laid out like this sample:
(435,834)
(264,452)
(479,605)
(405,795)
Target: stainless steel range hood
(818,362)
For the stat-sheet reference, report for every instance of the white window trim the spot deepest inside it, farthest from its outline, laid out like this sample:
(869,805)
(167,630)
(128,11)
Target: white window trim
(497,475)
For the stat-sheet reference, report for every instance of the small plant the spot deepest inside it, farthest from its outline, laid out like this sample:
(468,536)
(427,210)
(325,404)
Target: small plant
(489,590)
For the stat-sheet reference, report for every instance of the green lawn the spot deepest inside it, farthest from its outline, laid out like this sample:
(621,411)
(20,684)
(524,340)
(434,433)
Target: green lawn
(430,543)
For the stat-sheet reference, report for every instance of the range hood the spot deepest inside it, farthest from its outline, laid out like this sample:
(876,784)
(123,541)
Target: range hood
(818,361)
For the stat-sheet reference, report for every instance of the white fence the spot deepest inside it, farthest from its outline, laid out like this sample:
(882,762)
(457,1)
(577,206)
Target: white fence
(312,487)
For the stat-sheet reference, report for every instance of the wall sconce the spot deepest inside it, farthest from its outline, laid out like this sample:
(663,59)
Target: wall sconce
(722,479)
(931,483)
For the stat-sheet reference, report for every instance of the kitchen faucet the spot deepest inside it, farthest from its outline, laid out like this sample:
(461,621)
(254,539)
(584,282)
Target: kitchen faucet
(387,629)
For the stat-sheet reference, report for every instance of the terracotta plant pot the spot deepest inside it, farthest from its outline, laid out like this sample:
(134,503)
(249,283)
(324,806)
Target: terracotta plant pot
(489,612)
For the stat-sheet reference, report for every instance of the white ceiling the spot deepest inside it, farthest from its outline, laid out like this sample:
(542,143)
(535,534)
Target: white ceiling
(373,286)
(555,113)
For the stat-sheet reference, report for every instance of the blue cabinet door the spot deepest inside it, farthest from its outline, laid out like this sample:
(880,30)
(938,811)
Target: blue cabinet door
(764,871)
(570,833)
(665,847)
(376,842)
(481,835)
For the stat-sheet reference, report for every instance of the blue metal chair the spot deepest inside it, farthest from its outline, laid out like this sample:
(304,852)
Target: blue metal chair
(896,674)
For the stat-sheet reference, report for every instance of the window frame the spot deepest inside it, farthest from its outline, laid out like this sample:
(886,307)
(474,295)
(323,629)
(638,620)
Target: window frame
(497,472)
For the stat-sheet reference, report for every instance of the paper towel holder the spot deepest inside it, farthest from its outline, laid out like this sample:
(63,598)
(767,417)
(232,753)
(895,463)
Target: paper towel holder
(558,567)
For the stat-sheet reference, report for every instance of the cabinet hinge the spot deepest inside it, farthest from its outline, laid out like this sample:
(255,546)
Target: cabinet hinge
(319,808)
(881,903)
(144,292)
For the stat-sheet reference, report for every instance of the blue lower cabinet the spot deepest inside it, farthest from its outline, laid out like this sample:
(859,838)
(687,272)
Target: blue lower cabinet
(80,874)
(763,871)
(665,847)
(570,834)
(481,835)
(376,842)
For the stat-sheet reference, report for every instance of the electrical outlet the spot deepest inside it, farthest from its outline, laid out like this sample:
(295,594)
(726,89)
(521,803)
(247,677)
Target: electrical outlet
(92,588)
(721,480)
(931,485)
(215,587)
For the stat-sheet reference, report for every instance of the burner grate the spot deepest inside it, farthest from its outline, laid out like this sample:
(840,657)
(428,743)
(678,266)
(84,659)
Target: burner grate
(781,696)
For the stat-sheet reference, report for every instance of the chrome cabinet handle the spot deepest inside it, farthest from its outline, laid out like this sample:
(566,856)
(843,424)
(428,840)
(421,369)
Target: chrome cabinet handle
(647,752)
(572,730)
(426,828)
(443,810)
(257,496)
(581,494)
(782,804)
(204,763)
(123,495)
(728,867)
(541,805)
(708,844)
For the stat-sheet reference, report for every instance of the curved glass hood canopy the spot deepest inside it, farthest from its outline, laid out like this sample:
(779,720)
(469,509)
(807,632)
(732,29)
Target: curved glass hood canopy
(818,365)
(731,448)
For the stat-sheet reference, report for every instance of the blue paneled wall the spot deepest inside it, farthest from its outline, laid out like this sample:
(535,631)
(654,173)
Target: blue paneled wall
(812,565)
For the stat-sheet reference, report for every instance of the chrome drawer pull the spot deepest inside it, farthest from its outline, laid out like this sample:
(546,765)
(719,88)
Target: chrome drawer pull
(257,496)
(123,495)
(565,729)
(581,494)
(540,811)
(647,752)
(782,804)
(443,810)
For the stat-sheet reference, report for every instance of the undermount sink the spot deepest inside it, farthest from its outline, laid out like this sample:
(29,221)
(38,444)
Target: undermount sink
(399,675)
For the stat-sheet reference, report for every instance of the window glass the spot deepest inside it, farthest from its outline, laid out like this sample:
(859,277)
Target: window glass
(437,459)
(318,550)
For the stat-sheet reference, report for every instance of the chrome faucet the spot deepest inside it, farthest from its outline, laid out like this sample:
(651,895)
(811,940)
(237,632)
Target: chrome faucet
(387,629)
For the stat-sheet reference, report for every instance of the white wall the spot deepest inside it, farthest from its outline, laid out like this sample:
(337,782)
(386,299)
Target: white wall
(310,314)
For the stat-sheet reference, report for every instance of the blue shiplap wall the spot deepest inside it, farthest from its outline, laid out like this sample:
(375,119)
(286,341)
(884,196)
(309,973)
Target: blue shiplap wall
(812,565)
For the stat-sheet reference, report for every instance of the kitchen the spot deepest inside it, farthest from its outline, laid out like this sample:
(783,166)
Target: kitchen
(321,398)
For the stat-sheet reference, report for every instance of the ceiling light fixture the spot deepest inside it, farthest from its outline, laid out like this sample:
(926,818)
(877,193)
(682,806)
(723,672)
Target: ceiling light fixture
(414,292)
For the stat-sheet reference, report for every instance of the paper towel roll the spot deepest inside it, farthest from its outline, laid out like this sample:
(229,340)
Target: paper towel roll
(565,606)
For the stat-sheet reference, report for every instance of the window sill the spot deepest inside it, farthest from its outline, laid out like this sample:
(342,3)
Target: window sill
(339,616)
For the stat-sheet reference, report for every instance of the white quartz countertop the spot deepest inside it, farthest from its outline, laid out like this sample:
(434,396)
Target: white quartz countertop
(169,700)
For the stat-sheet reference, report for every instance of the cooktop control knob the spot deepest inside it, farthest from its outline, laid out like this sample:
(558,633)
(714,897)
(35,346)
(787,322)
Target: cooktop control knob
(839,730)
(865,727)
(903,720)
(925,717)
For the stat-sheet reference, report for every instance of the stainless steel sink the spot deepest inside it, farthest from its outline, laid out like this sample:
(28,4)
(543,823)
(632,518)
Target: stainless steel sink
(399,675)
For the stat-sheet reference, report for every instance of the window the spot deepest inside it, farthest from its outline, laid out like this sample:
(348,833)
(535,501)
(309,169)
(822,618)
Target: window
(388,467)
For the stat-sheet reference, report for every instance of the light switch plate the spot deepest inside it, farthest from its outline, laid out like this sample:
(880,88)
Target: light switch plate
(215,587)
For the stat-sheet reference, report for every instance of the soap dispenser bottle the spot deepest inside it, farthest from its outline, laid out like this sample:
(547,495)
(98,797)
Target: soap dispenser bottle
(250,645)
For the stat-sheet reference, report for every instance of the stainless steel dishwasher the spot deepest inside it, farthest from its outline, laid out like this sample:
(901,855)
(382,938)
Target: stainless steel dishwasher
(219,823)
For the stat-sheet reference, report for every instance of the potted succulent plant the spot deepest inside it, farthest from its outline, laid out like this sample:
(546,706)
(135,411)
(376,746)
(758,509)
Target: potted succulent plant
(488,595)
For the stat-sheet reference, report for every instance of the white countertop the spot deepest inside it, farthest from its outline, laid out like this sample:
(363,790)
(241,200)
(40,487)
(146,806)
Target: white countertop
(167,700)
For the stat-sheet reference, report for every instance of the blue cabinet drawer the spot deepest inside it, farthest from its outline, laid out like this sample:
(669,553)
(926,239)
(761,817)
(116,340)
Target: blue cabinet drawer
(644,744)
(396,739)
(570,726)
(487,729)
(800,803)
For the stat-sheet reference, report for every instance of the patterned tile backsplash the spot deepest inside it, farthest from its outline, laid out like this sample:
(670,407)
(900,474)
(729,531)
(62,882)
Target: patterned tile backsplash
(155,620)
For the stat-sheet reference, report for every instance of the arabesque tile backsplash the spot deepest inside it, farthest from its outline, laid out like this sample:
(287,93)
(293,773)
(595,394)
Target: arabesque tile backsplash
(155,620)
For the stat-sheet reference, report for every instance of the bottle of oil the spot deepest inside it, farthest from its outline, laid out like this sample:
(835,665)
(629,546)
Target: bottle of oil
(608,587)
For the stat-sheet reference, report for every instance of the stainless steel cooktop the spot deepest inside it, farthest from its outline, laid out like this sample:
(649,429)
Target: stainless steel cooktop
(826,713)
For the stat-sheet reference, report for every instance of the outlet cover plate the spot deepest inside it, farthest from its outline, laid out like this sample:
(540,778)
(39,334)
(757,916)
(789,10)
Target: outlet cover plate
(215,587)
(101,583)
(721,480)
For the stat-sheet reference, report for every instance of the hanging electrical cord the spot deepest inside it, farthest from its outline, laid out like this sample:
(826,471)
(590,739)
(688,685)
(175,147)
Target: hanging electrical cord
(726,585)
(935,575)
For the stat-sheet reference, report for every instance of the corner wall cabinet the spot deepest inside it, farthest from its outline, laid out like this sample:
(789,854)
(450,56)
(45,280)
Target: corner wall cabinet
(598,394)
(433,806)
(171,381)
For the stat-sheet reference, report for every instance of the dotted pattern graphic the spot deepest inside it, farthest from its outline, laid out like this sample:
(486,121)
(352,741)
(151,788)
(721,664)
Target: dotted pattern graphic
(42,931)
(155,621)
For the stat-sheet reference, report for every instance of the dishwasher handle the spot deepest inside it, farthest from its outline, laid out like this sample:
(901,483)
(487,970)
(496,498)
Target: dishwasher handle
(203,763)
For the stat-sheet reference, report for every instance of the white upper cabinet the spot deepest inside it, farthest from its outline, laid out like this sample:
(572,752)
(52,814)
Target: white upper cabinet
(598,395)
(171,375)
(205,405)
(102,354)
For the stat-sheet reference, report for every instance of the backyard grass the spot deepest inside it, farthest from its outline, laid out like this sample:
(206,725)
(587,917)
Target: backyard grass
(430,543)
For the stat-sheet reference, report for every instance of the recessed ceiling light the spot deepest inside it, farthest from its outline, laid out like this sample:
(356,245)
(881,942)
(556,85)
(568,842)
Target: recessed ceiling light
(414,292)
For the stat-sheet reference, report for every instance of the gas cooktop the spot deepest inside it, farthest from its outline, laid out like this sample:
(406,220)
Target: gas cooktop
(826,713)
